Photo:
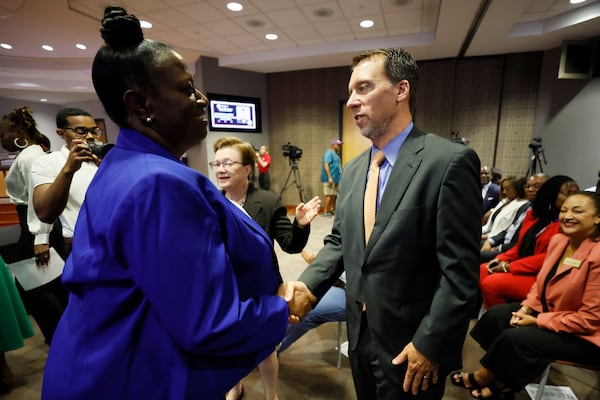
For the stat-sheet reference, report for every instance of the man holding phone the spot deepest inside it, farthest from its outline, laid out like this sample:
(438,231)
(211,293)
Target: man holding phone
(60,179)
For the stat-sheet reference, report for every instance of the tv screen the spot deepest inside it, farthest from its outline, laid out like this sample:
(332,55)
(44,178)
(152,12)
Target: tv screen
(229,113)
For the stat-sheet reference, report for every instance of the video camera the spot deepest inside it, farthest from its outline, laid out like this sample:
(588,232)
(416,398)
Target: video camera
(100,149)
(291,151)
(536,144)
(456,138)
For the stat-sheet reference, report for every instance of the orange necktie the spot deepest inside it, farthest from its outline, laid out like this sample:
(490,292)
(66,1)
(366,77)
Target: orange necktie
(370,205)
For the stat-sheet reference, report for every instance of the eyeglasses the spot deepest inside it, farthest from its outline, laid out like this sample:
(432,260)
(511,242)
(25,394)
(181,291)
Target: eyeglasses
(224,164)
(83,131)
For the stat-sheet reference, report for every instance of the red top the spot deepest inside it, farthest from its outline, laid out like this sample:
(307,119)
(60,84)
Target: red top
(264,158)
(532,264)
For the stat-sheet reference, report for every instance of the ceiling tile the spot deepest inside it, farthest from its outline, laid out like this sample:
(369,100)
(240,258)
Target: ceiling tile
(339,27)
(202,12)
(272,5)
(173,18)
(224,27)
(288,17)
(302,32)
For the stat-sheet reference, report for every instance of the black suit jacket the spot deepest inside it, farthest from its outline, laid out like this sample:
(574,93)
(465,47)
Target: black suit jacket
(268,211)
(418,274)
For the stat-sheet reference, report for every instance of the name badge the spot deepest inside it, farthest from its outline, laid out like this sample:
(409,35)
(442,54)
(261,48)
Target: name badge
(572,262)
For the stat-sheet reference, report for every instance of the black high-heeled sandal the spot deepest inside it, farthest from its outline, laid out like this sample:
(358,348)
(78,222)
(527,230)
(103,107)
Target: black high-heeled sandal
(496,393)
(457,379)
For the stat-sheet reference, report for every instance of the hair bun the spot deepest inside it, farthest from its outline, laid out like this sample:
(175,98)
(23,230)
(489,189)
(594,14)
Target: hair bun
(119,29)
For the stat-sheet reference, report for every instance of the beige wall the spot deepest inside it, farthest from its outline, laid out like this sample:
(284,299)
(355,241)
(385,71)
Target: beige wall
(490,100)
(354,142)
(303,108)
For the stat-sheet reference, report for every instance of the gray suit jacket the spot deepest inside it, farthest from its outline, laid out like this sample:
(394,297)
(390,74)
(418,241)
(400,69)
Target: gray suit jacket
(418,275)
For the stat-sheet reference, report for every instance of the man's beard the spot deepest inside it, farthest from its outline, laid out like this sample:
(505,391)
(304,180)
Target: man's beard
(377,131)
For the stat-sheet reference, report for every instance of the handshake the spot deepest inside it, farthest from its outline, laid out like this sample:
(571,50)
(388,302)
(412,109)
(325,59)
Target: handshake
(299,298)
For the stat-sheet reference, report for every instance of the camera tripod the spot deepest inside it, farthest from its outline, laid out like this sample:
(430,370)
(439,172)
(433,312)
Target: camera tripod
(535,162)
(296,180)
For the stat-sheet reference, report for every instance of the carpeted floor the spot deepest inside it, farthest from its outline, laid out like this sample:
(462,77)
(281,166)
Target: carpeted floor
(308,368)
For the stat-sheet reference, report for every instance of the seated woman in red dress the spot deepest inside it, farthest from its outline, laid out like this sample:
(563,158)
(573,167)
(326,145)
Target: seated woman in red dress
(509,276)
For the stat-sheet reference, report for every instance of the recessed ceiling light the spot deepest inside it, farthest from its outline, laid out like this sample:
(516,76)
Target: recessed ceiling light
(43,100)
(367,23)
(81,46)
(576,1)
(5,46)
(233,6)
(47,47)
(146,24)
(271,36)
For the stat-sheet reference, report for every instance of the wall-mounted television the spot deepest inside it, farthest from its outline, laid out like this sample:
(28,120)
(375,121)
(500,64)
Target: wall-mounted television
(228,113)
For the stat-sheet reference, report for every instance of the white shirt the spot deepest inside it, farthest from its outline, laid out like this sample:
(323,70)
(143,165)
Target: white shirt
(18,183)
(17,178)
(45,169)
(503,219)
(484,189)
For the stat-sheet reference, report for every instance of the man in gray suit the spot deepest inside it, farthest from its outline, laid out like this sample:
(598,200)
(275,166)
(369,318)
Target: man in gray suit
(411,286)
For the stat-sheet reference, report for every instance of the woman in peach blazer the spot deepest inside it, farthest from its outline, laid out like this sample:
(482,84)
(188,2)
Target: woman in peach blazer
(559,319)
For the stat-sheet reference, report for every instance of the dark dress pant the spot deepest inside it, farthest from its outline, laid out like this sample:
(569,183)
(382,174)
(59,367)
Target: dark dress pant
(372,382)
(264,181)
(517,356)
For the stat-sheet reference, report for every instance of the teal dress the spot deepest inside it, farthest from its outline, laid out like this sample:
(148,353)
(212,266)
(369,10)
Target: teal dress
(15,324)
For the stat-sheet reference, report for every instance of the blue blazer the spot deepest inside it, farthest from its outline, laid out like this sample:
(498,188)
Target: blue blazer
(492,197)
(172,286)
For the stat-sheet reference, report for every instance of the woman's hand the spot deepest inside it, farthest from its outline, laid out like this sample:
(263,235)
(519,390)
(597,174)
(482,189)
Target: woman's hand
(522,317)
(496,265)
(306,212)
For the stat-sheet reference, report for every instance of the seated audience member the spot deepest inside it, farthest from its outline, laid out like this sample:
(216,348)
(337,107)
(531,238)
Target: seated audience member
(234,168)
(513,192)
(496,175)
(14,326)
(331,308)
(507,238)
(490,192)
(174,291)
(559,318)
(509,276)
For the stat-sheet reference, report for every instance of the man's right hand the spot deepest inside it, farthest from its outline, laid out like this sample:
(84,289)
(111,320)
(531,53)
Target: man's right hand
(42,254)
(78,153)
